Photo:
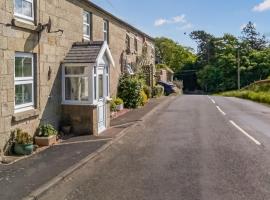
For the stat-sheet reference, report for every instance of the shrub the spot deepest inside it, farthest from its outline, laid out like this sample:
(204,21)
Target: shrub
(144,98)
(147,90)
(46,130)
(158,91)
(23,137)
(129,90)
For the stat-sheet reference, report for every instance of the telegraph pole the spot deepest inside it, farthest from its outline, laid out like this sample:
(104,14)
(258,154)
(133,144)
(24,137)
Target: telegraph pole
(238,70)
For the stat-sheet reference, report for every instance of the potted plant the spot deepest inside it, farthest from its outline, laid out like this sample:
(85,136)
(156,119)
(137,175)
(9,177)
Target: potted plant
(23,143)
(65,125)
(119,104)
(46,135)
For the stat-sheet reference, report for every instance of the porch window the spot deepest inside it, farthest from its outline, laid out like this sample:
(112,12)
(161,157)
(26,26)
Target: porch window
(24,9)
(24,81)
(86,25)
(76,84)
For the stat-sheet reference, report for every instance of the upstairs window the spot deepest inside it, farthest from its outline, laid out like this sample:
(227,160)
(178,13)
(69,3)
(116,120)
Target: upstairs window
(24,9)
(24,81)
(135,44)
(106,30)
(127,44)
(86,25)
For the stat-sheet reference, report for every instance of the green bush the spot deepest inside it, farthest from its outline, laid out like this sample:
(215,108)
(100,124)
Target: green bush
(46,130)
(129,90)
(158,91)
(147,90)
(144,98)
(22,137)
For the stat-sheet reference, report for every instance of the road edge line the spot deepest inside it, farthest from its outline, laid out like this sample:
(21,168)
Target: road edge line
(245,133)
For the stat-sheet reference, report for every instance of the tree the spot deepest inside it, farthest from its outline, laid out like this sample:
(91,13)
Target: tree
(253,38)
(173,54)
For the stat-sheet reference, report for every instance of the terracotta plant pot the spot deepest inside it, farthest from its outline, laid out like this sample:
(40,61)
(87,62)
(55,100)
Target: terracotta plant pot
(45,141)
(23,149)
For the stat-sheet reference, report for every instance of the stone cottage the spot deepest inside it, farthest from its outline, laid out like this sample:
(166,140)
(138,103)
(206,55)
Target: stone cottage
(63,58)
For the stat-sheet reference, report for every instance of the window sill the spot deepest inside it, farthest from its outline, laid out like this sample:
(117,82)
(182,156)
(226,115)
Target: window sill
(25,115)
(24,24)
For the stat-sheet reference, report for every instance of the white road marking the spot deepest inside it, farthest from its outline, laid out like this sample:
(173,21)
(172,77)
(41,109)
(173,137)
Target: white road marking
(245,133)
(213,101)
(220,110)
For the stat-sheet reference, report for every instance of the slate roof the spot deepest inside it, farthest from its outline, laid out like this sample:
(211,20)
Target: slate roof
(83,52)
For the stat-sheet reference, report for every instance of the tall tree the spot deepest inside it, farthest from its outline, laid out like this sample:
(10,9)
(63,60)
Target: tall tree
(252,38)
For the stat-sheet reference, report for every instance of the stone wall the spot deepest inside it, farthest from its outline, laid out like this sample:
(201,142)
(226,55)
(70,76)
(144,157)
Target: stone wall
(49,50)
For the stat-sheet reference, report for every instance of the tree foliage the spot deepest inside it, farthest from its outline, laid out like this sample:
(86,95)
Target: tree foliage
(217,59)
(173,54)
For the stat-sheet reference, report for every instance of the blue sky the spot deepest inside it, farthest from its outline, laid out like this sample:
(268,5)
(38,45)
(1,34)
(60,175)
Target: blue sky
(173,18)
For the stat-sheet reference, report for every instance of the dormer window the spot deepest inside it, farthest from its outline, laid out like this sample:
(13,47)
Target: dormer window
(24,9)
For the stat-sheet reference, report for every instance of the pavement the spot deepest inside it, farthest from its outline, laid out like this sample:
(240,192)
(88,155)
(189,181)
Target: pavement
(21,178)
(193,148)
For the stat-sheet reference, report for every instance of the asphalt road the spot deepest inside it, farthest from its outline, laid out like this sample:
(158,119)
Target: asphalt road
(190,149)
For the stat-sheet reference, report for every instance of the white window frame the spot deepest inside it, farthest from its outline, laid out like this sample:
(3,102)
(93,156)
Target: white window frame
(87,37)
(24,81)
(25,17)
(106,31)
(107,80)
(75,102)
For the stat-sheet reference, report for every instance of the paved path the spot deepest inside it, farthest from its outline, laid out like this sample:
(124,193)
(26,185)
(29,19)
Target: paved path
(191,150)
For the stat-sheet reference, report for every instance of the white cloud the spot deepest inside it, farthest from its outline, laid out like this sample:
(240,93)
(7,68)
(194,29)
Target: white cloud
(180,19)
(160,22)
(265,5)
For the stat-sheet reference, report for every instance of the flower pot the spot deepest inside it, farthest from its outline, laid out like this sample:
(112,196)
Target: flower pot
(119,107)
(23,149)
(66,129)
(45,141)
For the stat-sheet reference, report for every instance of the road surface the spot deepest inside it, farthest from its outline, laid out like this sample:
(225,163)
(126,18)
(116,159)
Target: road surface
(195,148)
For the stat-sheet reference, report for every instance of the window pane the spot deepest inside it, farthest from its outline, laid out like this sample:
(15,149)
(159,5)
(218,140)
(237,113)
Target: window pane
(18,67)
(107,86)
(76,88)
(105,36)
(23,94)
(27,67)
(86,30)
(95,87)
(84,89)
(18,6)
(27,8)
(100,86)
(105,26)
(86,17)
(75,70)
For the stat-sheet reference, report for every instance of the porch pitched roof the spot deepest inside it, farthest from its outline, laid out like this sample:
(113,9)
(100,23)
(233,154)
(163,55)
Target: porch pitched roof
(84,52)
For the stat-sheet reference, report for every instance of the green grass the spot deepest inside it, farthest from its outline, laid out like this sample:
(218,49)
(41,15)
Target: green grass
(259,92)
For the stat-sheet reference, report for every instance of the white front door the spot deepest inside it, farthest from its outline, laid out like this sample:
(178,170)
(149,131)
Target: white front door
(101,108)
